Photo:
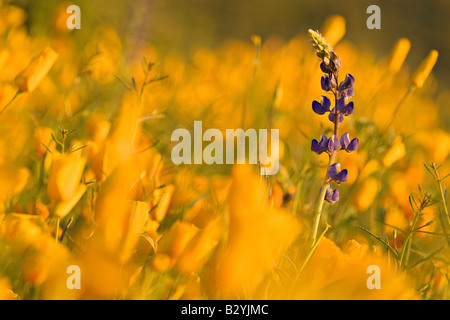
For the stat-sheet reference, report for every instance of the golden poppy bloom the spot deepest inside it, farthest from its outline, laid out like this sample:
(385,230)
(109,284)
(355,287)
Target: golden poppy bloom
(30,78)
(65,176)
(424,69)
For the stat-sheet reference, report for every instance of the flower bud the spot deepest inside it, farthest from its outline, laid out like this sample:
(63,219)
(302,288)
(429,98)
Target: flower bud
(65,176)
(423,70)
(334,29)
(398,54)
(30,78)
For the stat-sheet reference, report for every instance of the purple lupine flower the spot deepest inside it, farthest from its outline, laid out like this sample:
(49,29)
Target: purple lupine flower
(325,145)
(345,109)
(332,64)
(347,83)
(346,87)
(321,108)
(328,82)
(337,175)
(319,147)
(331,196)
(325,83)
(333,144)
(348,145)
(331,116)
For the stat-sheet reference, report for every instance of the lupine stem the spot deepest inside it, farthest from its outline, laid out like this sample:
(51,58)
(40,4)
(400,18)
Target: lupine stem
(318,211)
(319,207)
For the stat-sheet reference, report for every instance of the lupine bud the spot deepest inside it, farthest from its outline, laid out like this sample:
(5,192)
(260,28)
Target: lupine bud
(423,70)
(399,54)
(331,196)
(30,78)
(318,42)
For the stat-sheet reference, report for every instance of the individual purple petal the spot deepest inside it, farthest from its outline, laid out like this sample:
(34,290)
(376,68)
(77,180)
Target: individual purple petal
(347,93)
(353,145)
(325,83)
(348,109)
(323,144)
(335,173)
(345,109)
(321,108)
(331,116)
(341,176)
(325,68)
(326,103)
(333,170)
(333,144)
(345,140)
(347,83)
(331,196)
(315,146)
(334,196)
(336,60)
(317,107)
(340,105)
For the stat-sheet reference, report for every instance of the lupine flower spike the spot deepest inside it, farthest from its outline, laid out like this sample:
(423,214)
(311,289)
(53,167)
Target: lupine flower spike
(343,107)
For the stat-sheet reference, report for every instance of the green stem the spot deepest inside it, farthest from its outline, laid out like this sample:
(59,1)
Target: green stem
(407,245)
(57,229)
(441,191)
(10,101)
(320,201)
(319,206)
(410,90)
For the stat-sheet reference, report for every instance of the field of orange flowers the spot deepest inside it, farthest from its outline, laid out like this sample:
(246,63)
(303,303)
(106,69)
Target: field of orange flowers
(87,180)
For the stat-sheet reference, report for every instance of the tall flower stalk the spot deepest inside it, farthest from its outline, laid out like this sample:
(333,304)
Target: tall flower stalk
(343,107)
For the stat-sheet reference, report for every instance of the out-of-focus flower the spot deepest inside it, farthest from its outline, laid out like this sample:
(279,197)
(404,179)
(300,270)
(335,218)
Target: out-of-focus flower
(200,248)
(398,54)
(97,127)
(172,245)
(30,78)
(366,193)
(334,29)
(65,176)
(395,153)
(12,181)
(161,201)
(43,140)
(335,173)
(422,72)
(258,236)
(6,292)
(336,274)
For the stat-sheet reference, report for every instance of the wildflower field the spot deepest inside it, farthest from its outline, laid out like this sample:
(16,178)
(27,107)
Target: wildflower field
(93,205)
